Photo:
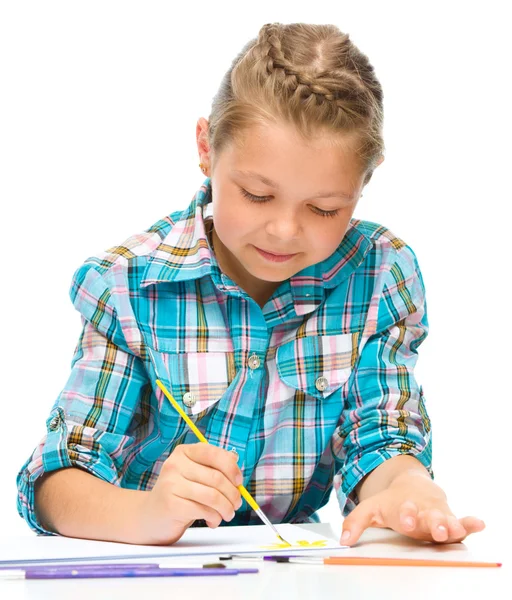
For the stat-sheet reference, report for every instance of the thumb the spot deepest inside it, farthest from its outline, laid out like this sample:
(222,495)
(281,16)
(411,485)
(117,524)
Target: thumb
(364,515)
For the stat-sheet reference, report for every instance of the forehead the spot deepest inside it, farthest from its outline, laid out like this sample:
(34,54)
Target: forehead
(265,134)
(279,151)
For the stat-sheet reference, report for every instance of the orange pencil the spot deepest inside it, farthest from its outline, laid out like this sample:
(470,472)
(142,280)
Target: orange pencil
(391,562)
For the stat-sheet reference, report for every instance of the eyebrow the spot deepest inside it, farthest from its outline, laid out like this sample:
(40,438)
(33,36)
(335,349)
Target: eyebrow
(275,185)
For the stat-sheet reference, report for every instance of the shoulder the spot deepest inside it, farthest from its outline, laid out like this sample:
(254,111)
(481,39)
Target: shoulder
(387,248)
(101,286)
(112,272)
(136,246)
(389,278)
(379,234)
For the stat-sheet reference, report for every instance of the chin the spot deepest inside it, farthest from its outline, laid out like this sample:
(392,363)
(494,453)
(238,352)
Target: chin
(275,274)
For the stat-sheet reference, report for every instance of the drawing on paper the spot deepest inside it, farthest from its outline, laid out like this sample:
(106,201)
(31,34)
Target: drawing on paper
(297,544)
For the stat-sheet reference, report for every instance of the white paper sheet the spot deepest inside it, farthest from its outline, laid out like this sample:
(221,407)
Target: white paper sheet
(195,541)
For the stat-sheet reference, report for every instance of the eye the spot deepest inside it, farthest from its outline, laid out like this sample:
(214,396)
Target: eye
(261,199)
(326,213)
(254,198)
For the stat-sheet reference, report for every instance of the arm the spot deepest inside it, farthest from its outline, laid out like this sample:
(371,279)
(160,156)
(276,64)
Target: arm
(72,484)
(74,503)
(93,425)
(384,425)
(384,440)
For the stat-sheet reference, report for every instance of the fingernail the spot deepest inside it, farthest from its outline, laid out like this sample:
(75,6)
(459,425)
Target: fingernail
(409,522)
(239,479)
(441,528)
(345,536)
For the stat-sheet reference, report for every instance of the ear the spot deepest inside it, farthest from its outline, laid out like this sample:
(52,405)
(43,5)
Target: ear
(380,160)
(202,139)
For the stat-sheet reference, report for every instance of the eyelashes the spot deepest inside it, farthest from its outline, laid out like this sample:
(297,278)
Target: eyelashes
(263,199)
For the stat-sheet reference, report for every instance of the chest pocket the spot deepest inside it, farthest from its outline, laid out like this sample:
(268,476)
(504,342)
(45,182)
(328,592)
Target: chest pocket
(317,365)
(199,379)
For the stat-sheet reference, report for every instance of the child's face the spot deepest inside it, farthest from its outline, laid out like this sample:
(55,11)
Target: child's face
(289,222)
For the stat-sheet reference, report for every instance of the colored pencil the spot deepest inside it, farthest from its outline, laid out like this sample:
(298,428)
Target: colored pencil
(392,562)
(362,560)
(100,573)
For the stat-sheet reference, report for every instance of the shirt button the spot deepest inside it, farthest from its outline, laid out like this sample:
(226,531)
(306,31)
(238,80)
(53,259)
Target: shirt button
(254,361)
(54,423)
(189,399)
(321,384)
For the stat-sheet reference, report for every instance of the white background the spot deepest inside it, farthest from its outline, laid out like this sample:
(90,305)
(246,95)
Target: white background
(98,107)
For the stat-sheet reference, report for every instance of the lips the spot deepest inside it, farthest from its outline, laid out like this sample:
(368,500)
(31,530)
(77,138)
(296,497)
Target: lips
(273,257)
(278,253)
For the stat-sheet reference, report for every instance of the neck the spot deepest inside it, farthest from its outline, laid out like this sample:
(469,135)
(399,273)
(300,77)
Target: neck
(260,291)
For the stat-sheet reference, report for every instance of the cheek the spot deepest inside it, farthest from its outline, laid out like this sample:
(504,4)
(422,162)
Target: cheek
(331,236)
(324,238)
(232,220)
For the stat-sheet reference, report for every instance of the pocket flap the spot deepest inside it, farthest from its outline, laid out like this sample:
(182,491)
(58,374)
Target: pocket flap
(199,379)
(317,365)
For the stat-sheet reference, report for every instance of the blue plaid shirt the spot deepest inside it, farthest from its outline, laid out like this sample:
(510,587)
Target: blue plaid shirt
(314,390)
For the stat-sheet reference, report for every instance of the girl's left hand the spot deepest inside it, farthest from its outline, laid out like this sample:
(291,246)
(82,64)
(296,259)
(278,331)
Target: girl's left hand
(412,505)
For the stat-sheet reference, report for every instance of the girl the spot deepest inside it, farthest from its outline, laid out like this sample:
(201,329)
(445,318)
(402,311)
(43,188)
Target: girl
(287,330)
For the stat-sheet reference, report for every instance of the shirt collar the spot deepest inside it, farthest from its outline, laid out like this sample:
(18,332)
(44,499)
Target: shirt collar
(309,285)
(184,254)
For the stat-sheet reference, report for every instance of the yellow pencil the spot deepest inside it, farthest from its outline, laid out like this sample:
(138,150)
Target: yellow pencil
(250,500)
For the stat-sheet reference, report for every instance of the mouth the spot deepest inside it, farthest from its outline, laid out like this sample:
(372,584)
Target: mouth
(274,256)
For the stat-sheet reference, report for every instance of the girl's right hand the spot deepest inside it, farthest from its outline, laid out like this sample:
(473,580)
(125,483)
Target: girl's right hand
(197,481)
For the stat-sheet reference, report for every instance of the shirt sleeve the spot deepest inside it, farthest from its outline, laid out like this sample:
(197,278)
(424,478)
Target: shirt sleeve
(93,421)
(384,414)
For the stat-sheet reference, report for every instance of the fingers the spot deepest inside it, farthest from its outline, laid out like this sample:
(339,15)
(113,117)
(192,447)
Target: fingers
(216,468)
(215,506)
(365,515)
(446,528)
(441,527)
(190,511)
(408,516)
(437,525)
(456,530)
(434,524)
(204,475)
(217,458)
(472,524)
(211,487)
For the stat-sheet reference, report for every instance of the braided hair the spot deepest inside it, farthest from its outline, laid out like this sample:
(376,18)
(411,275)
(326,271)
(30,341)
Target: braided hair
(310,76)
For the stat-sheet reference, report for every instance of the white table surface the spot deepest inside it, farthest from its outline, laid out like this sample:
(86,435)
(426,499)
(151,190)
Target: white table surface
(285,581)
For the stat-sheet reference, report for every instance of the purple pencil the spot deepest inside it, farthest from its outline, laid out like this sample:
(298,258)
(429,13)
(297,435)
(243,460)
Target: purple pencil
(79,567)
(73,573)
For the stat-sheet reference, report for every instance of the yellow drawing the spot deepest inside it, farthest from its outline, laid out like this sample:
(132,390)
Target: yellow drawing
(298,544)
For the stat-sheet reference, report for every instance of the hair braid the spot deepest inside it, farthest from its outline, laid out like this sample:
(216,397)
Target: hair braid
(311,76)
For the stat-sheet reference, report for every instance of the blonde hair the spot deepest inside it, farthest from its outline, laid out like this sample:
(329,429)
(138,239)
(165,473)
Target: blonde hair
(310,76)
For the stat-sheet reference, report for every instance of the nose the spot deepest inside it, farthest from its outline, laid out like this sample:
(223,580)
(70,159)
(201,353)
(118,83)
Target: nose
(284,226)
